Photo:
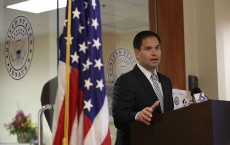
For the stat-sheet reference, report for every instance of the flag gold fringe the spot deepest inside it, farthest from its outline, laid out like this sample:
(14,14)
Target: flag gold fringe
(65,140)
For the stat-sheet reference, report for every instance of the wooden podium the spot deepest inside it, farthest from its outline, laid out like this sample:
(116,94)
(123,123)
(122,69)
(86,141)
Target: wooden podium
(206,123)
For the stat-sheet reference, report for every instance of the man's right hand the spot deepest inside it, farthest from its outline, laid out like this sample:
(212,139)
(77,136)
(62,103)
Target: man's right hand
(145,115)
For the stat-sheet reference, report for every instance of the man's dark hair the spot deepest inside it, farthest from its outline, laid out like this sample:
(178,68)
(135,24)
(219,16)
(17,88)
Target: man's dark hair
(137,41)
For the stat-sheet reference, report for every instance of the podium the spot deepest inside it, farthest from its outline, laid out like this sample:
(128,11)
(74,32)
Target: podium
(206,123)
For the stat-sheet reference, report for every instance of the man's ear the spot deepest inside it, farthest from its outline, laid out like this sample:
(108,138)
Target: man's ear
(136,52)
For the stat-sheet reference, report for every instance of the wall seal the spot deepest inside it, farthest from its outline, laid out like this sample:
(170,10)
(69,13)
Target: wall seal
(19,47)
(120,62)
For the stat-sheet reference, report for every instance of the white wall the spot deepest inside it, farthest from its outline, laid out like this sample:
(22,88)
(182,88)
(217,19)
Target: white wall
(200,44)
(207,33)
(25,93)
(190,33)
(222,22)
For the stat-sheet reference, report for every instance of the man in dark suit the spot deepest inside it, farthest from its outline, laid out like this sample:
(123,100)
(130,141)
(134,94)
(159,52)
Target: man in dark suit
(135,95)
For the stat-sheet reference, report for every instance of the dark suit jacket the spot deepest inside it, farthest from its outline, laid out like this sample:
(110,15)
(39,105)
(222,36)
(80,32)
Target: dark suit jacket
(131,93)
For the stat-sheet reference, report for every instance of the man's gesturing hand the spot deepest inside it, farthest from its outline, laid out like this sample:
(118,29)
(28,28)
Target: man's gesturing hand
(145,115)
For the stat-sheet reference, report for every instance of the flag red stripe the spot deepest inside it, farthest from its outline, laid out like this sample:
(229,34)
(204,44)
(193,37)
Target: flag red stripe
(87,125)
(74,98)
(60,131)
(107,140)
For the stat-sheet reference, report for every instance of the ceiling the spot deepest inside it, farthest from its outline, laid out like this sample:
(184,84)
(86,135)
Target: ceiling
(118,16)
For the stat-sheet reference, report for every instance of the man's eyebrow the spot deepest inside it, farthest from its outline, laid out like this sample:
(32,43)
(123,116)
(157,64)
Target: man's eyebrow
(147,46)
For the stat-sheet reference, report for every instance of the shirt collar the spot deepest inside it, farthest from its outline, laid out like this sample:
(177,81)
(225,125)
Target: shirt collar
(146,72)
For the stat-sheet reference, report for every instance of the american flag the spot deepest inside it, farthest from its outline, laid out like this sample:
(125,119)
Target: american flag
(88,122)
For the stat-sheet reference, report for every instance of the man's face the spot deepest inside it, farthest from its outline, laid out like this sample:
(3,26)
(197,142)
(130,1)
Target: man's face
(150,54)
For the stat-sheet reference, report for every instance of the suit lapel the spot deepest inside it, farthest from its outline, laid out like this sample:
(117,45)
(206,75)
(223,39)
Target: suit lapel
(146,85)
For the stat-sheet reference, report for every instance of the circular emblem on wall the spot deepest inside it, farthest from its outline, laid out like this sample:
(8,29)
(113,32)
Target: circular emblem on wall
(19,47)
(120,62)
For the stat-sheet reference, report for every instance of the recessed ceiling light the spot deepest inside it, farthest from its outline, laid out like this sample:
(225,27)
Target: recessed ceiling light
(37,6)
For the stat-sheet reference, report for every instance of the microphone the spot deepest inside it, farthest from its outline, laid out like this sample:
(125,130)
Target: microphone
(198,96)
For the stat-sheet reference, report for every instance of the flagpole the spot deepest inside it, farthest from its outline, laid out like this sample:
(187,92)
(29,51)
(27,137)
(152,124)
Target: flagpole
(58,46)
(65,140)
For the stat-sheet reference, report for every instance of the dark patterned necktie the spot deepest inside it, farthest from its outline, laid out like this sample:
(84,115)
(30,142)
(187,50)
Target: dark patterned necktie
(158,90)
